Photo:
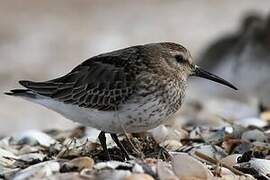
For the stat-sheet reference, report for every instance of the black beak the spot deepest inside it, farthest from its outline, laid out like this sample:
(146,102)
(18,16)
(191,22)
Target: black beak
(204,74)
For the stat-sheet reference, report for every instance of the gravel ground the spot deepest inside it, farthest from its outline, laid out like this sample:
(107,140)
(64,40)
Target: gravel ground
(44,39)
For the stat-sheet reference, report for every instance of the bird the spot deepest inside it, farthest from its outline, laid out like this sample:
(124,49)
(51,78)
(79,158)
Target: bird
(129,90)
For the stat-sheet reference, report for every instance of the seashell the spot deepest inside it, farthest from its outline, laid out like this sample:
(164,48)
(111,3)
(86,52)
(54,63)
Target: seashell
(5,142)
(32,157)
(88,173)
(187,167)
(34,137)
(91,134)
(74,147)
(67,176)
(230,160)
(251,121)
(226,174)
(261,166)
(112,165)
(163,133)
(261,146)
(111,174)
(255,135)
(149,165)
(78,164)
(38,171)
(137,168)
(171,145)
(140,176)
(214,152)
(165,172)
(7,159)
(7,173)
(265,116)
(27,149)
(212,136)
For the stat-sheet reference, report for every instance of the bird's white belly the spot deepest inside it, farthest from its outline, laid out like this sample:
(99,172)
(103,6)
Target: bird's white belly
(132,117)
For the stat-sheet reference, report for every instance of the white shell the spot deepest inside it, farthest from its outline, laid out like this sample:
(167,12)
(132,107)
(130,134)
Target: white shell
(38,171)
(163,133)
(111,165)
(214,152)
(187,167)
(230,160)
(262,166)
(165,172)
(6,158)
(80,163)
(31,157)
(171,145)
(251,121)
(139,176)
(33,137)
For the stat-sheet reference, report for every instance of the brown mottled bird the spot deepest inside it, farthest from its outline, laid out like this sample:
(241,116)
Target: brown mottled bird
(128,90)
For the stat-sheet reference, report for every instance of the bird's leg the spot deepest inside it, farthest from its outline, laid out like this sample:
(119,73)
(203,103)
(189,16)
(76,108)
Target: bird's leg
(120,145)
(102,139)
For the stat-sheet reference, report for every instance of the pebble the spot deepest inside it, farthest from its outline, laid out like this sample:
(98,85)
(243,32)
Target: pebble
(255,135)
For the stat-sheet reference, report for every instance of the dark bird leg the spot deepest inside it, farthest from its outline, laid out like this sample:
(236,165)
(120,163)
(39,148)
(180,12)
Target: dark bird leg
(102,139)
(120,145)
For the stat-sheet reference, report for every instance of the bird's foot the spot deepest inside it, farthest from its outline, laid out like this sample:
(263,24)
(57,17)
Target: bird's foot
(120,145)
(102,139)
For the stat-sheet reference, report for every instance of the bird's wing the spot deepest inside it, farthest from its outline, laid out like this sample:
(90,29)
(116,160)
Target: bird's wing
(99,83)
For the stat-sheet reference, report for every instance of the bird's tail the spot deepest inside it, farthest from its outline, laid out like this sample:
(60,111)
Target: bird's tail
(24,93)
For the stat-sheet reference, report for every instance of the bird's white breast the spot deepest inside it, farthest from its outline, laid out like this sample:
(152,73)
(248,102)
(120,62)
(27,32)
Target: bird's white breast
(131,117)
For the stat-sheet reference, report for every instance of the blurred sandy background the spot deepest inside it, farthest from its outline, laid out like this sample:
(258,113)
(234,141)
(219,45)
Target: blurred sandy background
(40,40)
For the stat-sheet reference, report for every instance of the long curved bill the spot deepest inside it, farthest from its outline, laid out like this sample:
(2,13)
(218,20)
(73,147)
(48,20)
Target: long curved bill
(204,74)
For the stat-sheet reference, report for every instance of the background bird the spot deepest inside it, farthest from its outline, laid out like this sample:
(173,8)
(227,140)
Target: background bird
(129,90)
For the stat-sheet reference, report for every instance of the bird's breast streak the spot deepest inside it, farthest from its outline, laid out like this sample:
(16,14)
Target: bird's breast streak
(135,116)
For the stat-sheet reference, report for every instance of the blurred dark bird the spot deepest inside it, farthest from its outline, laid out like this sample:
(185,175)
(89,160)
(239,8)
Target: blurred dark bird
(244,59)
(129,90)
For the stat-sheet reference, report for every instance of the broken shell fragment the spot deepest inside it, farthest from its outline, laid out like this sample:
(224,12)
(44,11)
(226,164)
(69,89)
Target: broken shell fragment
(187,167)
(78,164)
(38,171)
(7,158)
(256,167)
(165,172)
(34,137)
(230,160)
(137,176)
(171,145)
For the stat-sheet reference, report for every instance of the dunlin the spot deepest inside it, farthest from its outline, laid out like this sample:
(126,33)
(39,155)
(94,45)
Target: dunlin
(128,90)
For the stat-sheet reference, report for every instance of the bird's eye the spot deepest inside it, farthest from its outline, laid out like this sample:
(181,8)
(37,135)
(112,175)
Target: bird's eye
(180,59)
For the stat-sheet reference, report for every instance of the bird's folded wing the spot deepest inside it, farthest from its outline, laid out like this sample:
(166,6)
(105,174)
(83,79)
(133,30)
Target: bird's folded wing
(93,84)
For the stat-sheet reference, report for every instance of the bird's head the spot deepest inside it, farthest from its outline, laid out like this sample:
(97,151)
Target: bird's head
(179,58)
